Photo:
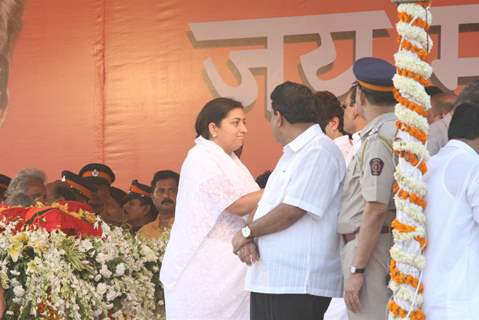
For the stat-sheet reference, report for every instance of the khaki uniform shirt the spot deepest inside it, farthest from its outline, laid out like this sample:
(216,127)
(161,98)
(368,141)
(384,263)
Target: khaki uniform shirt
(370,174)
(153,230)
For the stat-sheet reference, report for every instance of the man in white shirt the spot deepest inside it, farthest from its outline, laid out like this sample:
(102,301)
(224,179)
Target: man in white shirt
(294,226)
(331,121)
(450,277)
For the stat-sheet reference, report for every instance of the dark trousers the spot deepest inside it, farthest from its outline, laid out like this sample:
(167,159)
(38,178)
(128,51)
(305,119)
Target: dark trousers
(265,306)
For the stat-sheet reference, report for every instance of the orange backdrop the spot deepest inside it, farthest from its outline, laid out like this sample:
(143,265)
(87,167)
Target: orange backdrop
(121,82)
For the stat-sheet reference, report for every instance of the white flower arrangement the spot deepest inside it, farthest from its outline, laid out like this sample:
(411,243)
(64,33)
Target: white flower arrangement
(411,118)
(412,146)
(407,60)
(406,294)
(410,227)
(50,275)
(412,90)
(415,34)
(416,11)
(417,261)
(412,211)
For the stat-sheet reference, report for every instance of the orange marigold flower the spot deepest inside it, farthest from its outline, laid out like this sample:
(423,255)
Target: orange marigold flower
(413,160)
(409,104)
(413,75)
(422,242)
(406,44)
(401,227)
(413,131)
(402,278)
(404,17)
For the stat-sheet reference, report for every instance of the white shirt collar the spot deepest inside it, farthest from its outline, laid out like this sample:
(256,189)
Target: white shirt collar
(301,140)
(463,146)
(343,140)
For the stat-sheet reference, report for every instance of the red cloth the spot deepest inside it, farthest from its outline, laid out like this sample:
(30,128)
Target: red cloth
(13,215)
(52,218)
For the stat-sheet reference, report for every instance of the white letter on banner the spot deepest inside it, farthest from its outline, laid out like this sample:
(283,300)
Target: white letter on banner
(363,23)
(449,67)
(274,30)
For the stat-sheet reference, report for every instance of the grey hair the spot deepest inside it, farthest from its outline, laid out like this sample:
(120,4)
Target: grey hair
(20,199)
(19,184)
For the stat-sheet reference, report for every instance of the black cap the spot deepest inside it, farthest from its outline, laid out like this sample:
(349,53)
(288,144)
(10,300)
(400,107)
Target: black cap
(374,74)
(139,190)
(97,173)
(4,182)
(78,184)
(118,194)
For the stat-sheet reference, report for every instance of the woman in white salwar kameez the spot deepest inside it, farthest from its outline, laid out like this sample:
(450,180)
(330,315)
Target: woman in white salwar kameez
(202,277)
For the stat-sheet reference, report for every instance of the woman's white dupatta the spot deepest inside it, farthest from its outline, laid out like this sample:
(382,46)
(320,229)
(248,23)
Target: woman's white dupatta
(210,181)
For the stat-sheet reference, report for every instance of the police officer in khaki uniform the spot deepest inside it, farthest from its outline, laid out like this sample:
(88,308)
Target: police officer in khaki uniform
(367,203)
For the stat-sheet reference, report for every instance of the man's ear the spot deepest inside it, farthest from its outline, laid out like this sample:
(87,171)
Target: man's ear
(281,118)
(334,123)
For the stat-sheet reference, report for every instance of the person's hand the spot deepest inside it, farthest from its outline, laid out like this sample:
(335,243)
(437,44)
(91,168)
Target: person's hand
(249,253)
(352,287)
(2,303)
(239,242)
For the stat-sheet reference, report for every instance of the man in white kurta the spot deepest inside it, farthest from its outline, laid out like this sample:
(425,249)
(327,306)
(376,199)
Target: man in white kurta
(304,258)
(294,225)
(451,276)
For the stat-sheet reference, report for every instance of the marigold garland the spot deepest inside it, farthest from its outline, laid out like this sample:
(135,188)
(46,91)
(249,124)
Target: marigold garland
(422,241)
(413,71)
(412,197)
(413,160)
(400,312)
(413,75)
(413,131)
(402,227)
(407,18)
(402,278)
(408,45)
(420,110)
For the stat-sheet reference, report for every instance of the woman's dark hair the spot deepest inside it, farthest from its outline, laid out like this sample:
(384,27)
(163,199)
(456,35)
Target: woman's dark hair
(214,111)
(329,107)
(465,122)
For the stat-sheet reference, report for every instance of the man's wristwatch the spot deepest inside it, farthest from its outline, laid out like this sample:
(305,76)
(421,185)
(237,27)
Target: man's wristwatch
(246,232)
(355,270)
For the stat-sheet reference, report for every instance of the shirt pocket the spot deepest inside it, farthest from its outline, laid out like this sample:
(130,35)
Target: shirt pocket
(276,188)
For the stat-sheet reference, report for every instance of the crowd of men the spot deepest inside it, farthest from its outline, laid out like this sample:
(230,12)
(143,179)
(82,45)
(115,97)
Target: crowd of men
(146,209)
